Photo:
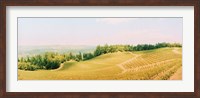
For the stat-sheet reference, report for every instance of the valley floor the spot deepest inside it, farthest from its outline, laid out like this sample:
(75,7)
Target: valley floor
(158,64)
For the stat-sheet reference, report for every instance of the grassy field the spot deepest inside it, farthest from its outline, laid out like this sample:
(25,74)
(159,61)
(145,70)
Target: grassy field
(157,64)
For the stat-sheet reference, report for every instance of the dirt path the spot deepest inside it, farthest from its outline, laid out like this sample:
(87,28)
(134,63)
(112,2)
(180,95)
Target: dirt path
(175,50)
(129,60)
(161,74)
(177,75)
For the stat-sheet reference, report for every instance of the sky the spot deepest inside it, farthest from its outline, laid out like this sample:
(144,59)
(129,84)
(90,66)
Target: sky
(98,31)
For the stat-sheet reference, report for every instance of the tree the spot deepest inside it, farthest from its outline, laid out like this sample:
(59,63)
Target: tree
(52,60)
(71,56)
(78,57)
(87,56)
(97,51)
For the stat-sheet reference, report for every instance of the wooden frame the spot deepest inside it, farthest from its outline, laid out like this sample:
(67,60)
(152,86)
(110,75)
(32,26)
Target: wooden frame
(4,3)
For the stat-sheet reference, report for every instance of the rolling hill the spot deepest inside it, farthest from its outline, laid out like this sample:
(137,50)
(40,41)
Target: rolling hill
(157,64)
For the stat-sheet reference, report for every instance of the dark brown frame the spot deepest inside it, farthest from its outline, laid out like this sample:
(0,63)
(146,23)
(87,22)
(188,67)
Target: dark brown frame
(4,3)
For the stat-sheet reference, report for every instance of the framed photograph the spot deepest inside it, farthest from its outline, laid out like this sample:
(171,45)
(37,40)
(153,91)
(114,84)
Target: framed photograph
(100,48)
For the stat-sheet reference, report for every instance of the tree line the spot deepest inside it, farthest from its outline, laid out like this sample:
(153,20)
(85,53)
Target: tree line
(53,60)
(140,47)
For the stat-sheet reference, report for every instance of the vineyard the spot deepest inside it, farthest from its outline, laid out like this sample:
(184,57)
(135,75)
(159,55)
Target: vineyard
(156,64)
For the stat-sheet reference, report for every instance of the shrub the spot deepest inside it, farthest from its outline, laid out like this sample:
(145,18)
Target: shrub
(26,66)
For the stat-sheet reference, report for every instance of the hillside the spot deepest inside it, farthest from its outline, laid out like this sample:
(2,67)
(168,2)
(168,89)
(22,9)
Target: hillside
(157,64)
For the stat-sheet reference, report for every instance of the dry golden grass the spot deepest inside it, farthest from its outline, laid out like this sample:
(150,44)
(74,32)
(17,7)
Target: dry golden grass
(158,64)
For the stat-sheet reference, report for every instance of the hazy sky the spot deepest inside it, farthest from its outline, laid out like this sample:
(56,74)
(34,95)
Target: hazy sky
(95,31)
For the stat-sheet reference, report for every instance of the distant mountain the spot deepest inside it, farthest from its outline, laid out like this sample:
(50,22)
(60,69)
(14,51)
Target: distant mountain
(34,50)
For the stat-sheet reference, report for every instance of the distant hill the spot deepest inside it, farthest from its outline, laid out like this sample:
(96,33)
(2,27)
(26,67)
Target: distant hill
(34,50)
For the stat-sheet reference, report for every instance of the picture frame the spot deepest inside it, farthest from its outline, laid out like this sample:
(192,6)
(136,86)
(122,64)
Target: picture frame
(3,45)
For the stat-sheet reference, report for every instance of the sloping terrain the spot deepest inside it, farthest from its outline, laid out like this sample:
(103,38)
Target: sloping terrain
(157,64)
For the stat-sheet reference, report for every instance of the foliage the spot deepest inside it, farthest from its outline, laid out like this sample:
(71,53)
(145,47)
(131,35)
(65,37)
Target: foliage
(140,47)
(27,66)
(157,64)
(52,60)
(46,61)
(87,56)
